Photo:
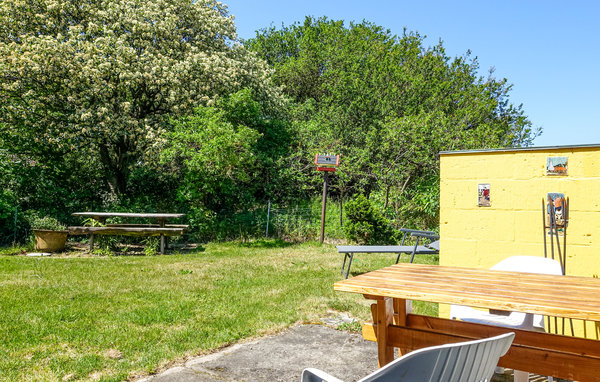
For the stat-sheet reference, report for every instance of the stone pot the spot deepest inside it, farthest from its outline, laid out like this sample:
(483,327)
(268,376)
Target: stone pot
(49,241)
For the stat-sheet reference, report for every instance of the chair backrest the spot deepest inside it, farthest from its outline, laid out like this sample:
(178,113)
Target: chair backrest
(471,361)
(531,264)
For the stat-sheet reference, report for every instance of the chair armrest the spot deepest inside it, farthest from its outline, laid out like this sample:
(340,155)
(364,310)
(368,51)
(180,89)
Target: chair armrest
(426,234)
(415,232)
(316,375)
(411,231)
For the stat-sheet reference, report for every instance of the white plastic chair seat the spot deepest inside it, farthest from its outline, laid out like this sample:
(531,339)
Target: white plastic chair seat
(514,320)
(472,361)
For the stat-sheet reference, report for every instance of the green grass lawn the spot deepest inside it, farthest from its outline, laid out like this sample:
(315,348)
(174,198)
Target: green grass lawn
(117,317)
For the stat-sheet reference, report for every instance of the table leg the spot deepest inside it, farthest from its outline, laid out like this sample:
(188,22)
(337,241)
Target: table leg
(161,223)
(402,308)
(347,256)
(101,223)
(385,317)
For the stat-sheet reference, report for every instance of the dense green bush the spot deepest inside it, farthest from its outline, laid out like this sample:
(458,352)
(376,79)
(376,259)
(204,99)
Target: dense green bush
(46,223)
(13,226)
(365,224)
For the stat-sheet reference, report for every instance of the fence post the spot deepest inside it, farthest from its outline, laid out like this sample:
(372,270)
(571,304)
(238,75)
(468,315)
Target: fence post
(268,216)
(15,227)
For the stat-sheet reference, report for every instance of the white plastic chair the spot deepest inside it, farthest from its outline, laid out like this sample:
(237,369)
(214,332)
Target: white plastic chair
(514,320)
(471,361)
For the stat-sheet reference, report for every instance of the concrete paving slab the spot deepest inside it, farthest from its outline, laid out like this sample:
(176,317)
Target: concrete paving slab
(282,358)
(38,254)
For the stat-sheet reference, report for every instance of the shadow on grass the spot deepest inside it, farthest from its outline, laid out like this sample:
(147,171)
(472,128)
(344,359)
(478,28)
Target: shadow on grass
(266,243)
(81,248)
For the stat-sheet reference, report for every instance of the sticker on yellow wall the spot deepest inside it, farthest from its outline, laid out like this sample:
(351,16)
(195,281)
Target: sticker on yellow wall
(556,166)
(483,195)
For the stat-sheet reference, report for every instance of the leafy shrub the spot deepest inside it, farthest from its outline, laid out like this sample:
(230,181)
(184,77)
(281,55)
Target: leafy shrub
(13,226)
(365,224)
(46,222)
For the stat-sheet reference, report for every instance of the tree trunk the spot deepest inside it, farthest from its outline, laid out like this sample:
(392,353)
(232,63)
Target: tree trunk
(115,159)
(387,197)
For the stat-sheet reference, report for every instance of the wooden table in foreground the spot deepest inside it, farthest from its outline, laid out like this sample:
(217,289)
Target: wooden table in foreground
(161,229)
(542,353)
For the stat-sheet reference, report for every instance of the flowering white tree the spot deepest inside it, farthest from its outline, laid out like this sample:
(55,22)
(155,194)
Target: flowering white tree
(100,77)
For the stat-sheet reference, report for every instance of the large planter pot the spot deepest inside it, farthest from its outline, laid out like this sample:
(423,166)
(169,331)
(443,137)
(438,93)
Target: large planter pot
(49,241)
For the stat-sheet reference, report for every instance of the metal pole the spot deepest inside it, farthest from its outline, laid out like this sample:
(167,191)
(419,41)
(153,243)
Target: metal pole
(552,227)
(324,205)
(268,216)
(544,213)
(566,213)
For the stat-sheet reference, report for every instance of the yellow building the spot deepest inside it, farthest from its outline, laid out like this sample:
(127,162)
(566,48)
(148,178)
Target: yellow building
(478,228)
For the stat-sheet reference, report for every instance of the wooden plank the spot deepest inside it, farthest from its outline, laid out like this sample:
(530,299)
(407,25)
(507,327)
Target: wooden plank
(572,366)
(184,226)
(470,274)
(126,231)
(507,290)
(564,296)
(568,344)
(549,304)
(556,307)
(499,281)
(129,215)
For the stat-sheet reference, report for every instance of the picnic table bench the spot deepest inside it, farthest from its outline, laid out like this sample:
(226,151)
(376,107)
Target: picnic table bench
(432,248)
(127,229)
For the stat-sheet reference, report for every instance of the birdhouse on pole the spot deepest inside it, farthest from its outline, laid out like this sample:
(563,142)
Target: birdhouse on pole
(325,163)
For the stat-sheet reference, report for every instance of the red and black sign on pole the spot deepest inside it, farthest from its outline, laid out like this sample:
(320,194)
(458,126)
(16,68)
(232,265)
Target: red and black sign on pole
(325,163)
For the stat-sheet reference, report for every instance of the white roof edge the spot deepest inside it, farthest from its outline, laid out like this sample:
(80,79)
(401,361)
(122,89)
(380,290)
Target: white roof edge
(531,148)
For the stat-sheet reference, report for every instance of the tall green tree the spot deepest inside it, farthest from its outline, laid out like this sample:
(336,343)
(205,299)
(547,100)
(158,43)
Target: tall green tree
(387,103)
(228,156)
(100,78)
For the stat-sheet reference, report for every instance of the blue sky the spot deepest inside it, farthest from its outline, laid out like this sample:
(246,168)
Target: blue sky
(549,50)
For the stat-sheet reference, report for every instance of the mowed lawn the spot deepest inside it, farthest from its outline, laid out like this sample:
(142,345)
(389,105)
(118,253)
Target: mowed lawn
(117,317)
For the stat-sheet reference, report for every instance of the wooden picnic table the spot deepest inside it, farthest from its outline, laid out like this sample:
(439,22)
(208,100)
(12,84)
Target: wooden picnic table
(160,229)
(550,295)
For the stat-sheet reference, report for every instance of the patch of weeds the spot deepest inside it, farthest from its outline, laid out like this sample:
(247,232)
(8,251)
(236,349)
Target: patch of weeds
(15,250)
(151,246)
(107,245)
(185,271)
(102,251)
(91,222)
(352,326)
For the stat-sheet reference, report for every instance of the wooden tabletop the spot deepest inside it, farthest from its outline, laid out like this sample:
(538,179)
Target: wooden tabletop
(128,215)
(562,296)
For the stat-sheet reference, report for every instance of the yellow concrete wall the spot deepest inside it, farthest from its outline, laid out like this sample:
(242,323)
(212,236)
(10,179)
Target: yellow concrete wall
(482,236)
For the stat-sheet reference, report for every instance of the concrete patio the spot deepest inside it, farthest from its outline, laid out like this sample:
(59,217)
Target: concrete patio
(282,358)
